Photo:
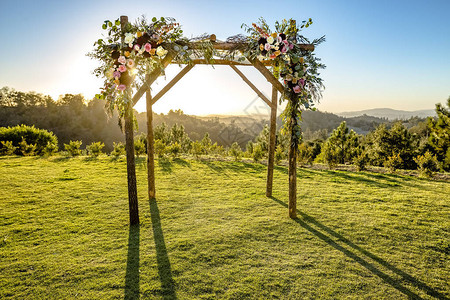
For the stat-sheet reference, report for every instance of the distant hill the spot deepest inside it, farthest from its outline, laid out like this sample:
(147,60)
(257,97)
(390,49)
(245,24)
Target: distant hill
(390,114)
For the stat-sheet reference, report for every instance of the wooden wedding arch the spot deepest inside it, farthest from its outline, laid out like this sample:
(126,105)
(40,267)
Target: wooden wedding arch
(145,88)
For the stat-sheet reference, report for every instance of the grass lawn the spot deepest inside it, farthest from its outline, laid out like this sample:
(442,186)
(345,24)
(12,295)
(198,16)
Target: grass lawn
(212,233)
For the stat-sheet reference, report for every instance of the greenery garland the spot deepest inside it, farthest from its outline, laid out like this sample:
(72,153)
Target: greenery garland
(298,68)
(137,49)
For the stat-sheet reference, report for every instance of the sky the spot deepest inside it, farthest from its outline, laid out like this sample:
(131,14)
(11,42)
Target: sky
(379,54)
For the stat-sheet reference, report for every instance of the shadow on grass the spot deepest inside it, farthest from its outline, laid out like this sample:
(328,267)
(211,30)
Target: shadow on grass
(239,167)
(164,270)
(165,164)
(306,223)
(132,274)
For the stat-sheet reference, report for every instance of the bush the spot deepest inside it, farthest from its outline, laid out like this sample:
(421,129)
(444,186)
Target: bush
(174,149)
(197,149)
(427,163)
(119,149)
(32,137)
(160,148)
(361,161)
(235,151)
(50,149)
(73,148)
(139,147)
(95,149)
(279,155)
(7,148)
(330,155)
(257,152)
(27,149)
(393,162)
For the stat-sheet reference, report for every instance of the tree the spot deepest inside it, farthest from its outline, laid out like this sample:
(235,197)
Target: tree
(341,145)
(439,138)
(236,151)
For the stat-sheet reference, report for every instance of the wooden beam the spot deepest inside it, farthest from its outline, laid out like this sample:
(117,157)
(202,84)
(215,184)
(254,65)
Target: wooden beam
(150,148)
(272,142)
(261,95)
(267,74)
(241,46)
(221,62)
(150,78)
(129,147)
(171,83)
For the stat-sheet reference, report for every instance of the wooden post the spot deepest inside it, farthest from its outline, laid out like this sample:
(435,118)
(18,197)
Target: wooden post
(150,148)
(272,140)
(129,147)
(292,181)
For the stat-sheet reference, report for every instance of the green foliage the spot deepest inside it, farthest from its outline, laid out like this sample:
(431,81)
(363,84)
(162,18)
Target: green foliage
(7,148)
(197,149)
(174,149)
(361,160)
(439,138)
(73,148)
(95,149)
(139,147)
(206,143)
(50,149)
(235,151)
(330,155)
(118,150)
(279,155)
(160,148)
(304,154)
(27,149)
(342,143)
(427,163)
(257,153)
(393,162)
(28,140)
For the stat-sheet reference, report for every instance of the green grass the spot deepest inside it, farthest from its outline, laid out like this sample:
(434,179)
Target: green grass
(212,233)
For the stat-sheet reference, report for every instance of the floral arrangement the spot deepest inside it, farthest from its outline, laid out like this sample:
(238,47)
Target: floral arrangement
(133,50)
(296,66)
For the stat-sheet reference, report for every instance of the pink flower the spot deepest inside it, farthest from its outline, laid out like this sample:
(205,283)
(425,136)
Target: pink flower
(286,43)
(137,47)
(291,46)
(284,50)
(122,60)
(122,87)
(122,68)
(279,39)
(130,63)
(147,47)
(302,81)
(267,46)
(116,74)
(297,89)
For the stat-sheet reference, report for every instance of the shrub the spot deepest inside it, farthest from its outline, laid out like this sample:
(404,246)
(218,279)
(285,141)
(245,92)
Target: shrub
(73,148)
(27,149)
(279,155)
(330,155)
(393,162)
(257,152)
(32,137)
(7,148)
(95,149)
(235,151)
(139,147)
(197,149)
(50,149)
(304,155)
(174,149)
(119,149)
(160,148)
(427,163)
(361,161)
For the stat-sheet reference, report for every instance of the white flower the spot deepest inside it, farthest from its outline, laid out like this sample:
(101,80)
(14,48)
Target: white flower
(160,51)
(109,74)
(270,40)
(129,38)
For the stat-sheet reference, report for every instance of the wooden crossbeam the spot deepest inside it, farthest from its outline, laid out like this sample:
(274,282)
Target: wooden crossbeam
(250,84)
(201,61)
(267,74)
(150,78)
(240,46)
(172,83)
